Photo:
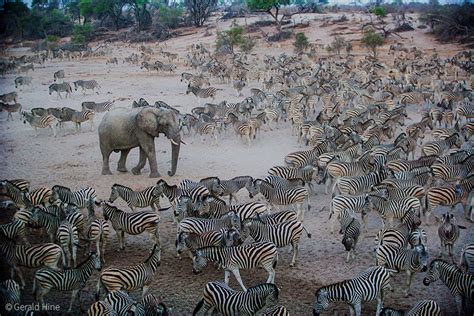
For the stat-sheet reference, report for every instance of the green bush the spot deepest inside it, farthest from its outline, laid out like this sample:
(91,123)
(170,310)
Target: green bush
(301,42)
(231,37)
(379,12)
(171,17)
(248,43)
(372,40)
(82,33)
(52,38)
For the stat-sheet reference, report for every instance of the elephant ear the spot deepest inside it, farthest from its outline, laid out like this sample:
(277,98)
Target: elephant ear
(147,120)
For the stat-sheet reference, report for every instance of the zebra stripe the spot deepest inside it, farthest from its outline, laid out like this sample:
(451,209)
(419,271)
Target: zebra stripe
(201,225)
(359,184)
(350,229)
(233,186)
(440,146)
(20,197)
(421,308)
(467,258)
(448,233)
(221,298)
(86,85)
(139,199)
(97,230)
(202,93)
(78,198)
(193,241)
(9,292)
(68,238)
(232,259)
(40,122)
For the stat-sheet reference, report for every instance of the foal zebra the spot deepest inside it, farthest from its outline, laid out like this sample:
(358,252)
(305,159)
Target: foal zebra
(140,199)
(78,198)
(97,230)
(74,280)
(367,286)
(460,284)
(86,85)
(232,259)
(132,277)
(219,297)
(58,75)
(234,185)
(40,122)
(131,223)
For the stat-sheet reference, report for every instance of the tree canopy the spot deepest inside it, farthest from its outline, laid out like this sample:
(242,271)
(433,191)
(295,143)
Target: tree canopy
(271,7)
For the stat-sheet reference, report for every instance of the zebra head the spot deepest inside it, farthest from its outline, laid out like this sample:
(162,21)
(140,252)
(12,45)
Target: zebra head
(114,194)
(199,261)
(202,205)
(253,187)
(184,207)
(433,273)
(322,301)
(390,312)
(232,237)
(180,242)
(422,256)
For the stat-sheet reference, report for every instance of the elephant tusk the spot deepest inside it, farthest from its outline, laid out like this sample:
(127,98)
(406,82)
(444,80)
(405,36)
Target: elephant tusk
(173,142)
(182,142)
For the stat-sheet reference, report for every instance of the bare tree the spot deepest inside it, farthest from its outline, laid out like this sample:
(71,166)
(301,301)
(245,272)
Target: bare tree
(200,10)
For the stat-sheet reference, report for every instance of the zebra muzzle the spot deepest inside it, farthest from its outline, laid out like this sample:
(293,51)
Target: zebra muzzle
(426,282)
(196,271)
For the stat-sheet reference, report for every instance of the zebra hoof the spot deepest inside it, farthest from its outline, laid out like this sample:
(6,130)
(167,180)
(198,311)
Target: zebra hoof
(292,265)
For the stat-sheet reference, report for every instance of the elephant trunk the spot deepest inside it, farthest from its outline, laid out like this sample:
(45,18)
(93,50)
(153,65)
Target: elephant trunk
(175,146)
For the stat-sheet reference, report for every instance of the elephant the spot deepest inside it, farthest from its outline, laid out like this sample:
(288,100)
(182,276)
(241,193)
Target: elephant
(122,129)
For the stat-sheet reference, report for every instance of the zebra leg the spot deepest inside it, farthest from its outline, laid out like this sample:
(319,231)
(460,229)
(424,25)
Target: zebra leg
(295,253)
(409,280)
(75,293)
(144,290)
(74,255)
(226,276)
(348,258)
(379,304)
(120,236)
(122,161)
(236,273)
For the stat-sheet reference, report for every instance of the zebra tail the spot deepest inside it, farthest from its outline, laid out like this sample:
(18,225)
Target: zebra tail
(63,255)
(35,289)
(334,187)
(275,261)
(198,307)
(307,233)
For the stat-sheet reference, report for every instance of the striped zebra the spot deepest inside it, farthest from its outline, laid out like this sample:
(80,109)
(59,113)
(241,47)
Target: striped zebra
(184,208)
(232,259)
(307,157)
(232,186)
(23,81)
(390,209)
(242,128)
(47,279)
(130,278)
(448,233)
(148,197)
(78,198)
(460,284)
(33,256)
(411,179)
(277,218)
(450,196)
(212,184)
(20,197)
(40,217)
(131,223)
(193,241)
(350,229)
(207,128)
(153,306)
(390,238)
(466,111)
(97,230)
(466,260)
(440,146)
(16,229)
(201,225)
(86,85)
(447,117)
(202,93)
(219,297)
(367,286)
(409,260)
(9,294)
(116,303)
(173,192)
(58,75)
(77,117)
(195,80)
(40,122)
(407,165)
(277,310)
(359,184)
(280,196)
(60,87)
(306,173)
(282,234)
(450,173)
(10,108)
(421,308)
(97,107)
(68,238)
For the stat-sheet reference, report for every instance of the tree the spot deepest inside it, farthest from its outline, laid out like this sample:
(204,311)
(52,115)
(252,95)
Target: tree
(301,42)
(372,40)
(348,48)
(231,37)
(200,10)
(86,9)
(338,44)
(267,6)
(380,12)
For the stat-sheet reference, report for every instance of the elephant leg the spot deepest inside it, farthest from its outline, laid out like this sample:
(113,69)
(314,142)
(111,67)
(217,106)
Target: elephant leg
(141,163)
(123,159)
(150,153)
(105,161)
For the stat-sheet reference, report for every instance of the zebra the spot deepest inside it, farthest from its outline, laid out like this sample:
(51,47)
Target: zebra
(407,165)
(280,196)
(9,293)
(58,75)
(78,198)
(139,199)
(40,217)
(68,238)
(201,225)
(17,192)
(213,184)
(86,85)
(132,277)
(193,241)
(9,97)
(307,157)
(466,260)
(23,81)
(40,122)
(112,61)
(97,230)
(394,209)
(450,173)
(282,234)
(359,184)
(219,297)
(448,234)
(60,87)
(460,284)
(47,279)
(202,93)
(307,173)
(242,128)
(350,229)
(16,229)
(421,308)
(367,286)
(173,192)
(32,256)
(97,107)
(77,117)
(131,223)
(232,259)
(411,260)
(232,186)
(464,110)
(10,108)
(440,146)
(277,218)
(153,306)
(277,310)
(116,303)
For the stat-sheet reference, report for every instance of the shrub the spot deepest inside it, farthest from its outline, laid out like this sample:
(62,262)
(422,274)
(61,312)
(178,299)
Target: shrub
(52,38)
(248,43)
(338,44)
(301,42)
(82,33)
(372,40)
(379,12)
(171,17)
(230,38)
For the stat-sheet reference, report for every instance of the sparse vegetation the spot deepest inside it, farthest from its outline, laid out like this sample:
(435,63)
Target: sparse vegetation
(372,40)
(200,10)
(82,33)
(338,44)
(171,17)
(272,7)
(301,42)
(235,37)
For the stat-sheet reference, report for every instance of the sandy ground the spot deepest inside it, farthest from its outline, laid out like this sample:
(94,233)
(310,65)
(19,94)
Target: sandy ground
(74,160)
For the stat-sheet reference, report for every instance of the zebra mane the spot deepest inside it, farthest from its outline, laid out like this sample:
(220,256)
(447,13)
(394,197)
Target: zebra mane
(242,178)
(121,186)
(264,286)
(152,253)
(60,187)
(451,267)
(12,184)
(208,179)
(83,262)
